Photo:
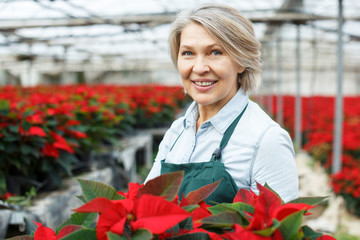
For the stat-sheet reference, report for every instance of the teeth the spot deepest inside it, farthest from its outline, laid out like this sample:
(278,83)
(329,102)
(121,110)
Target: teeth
(204,83)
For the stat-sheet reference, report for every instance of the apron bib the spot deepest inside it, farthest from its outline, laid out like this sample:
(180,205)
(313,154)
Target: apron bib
(200,174)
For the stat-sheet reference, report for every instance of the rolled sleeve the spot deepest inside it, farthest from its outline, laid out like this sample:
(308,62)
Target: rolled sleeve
(275,165)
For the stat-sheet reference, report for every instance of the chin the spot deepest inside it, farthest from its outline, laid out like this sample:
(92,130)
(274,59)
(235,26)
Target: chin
(203,101)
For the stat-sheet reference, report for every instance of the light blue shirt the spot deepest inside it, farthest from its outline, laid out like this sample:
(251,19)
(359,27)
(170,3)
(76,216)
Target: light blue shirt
(258,151)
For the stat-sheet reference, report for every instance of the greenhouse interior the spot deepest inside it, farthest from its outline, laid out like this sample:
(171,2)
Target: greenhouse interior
(88,90)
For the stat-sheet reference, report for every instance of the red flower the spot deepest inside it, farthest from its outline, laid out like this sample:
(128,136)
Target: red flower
(245,196)
(50,151)
(45,233)
(150,212)
(33,131)
(133,191)
(268,206)
(51,111)
(34,119)
(156,214)
(72,122)
(131,195)
(7,195)
(60,142)
(290,208)
(75,133)
(265,206)
(326,237)
(37,131)
(163,100)
(113,215)
(22,131)
(244,233)
(200,213)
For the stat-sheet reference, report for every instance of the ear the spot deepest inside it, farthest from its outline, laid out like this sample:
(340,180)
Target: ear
(241,69)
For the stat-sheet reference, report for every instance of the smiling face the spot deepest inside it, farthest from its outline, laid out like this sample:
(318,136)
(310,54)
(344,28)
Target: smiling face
(208,73)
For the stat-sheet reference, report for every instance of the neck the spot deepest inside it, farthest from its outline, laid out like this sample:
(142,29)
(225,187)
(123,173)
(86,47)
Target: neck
(208,111)
(205,113)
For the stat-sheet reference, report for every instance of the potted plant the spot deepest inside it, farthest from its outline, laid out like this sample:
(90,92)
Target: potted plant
(154,211)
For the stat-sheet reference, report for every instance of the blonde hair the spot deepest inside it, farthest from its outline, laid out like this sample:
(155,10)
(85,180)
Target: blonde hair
(233,31)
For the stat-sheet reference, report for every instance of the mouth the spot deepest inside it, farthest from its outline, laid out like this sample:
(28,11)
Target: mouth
(204,83)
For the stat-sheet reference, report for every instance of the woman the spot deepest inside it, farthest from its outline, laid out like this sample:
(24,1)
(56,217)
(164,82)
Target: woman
(223,134)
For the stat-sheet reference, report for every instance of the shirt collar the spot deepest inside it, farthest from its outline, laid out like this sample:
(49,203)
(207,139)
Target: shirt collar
(191,115)
(222,120)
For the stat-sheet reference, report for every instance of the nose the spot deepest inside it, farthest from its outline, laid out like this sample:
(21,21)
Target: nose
(201,66)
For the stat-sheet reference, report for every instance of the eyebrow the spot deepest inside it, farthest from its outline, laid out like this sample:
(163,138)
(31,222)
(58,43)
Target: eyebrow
(209,46)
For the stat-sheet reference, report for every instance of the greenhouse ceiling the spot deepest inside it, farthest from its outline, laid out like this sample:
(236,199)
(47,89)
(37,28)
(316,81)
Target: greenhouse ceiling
(122,34)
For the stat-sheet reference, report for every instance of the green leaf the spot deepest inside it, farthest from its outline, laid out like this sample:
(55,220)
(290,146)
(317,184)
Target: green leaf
(93,189)
(65,163)
(113,236)
(192,236)
(51,122)
(291,224)
(23,201)
(14,128)
(83,234)
(142,234)
(235,207)
(4,105)
(202,193)
(14,199)
(27,113)
(26,125)
(224,219)
(18,164)
(24,237)
(167,185)
(26,160)
(82,219)
(36,154)
(309,233)
(190,208)
(269,231)
(11,139)
(69,157)
(26,149)
(53,172)
(187,223)
(81,198)
(2,182)
(309,200)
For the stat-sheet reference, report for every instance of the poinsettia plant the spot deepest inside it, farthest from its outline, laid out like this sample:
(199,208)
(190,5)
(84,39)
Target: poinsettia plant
(48,132)
(154,211)
(317,131)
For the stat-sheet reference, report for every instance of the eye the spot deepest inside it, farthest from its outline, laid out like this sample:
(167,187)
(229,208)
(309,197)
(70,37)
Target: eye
(216,52)
(186,53)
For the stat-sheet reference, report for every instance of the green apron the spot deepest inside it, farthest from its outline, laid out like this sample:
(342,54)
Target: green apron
(200,174)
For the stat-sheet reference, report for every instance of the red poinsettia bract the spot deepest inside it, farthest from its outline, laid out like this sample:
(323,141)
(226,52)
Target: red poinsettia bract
(150,212)
(267,207)
(45,233)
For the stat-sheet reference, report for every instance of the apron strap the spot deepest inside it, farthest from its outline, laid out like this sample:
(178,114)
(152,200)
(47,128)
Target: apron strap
(176,140)
(216,156)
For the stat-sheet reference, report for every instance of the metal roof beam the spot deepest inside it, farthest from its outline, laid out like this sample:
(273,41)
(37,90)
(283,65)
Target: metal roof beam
(154,20)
